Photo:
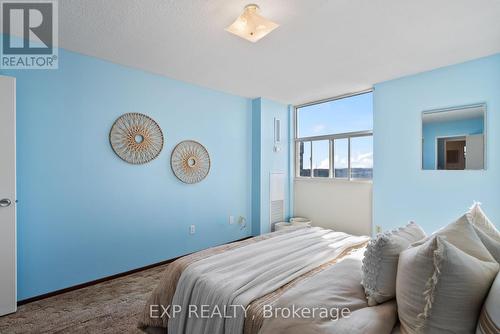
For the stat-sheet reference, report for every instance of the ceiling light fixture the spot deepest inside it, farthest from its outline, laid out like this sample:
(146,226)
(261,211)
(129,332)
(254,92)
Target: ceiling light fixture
(250,25)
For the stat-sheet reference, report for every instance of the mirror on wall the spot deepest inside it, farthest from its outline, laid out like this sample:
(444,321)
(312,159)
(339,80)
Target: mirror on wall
(454,138)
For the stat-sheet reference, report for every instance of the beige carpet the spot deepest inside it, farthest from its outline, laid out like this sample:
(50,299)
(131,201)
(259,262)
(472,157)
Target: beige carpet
(109,307)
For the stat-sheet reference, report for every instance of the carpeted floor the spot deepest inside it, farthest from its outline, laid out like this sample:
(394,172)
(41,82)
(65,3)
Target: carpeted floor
(105,308)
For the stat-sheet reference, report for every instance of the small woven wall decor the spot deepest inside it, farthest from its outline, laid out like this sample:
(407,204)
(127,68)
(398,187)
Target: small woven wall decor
(136,138)
(190,161)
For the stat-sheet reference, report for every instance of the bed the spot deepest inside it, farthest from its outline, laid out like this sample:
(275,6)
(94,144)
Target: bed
(291,281)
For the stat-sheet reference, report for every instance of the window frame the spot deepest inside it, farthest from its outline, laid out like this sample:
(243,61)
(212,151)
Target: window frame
(330,138)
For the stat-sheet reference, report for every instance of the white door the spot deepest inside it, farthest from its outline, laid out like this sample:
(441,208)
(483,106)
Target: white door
(475,152)
(7,195)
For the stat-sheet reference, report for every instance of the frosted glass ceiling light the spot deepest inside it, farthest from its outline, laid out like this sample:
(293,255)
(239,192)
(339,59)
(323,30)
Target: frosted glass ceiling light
(250,25)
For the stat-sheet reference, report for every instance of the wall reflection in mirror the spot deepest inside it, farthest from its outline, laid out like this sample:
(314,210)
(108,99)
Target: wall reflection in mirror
(454,138)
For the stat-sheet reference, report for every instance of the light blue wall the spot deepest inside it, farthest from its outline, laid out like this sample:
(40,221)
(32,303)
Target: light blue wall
(256,165)
(291,160)
(401,190)
(431,131)
(83,213)
(266,160)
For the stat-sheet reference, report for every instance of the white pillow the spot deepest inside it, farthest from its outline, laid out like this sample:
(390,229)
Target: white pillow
(442,282)
(490,244)
(489,320)
(485,230)
(462,234)
(380,263)
(479,219)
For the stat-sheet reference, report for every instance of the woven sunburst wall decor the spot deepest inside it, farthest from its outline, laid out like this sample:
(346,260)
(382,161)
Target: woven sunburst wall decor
(190,161)
(136,138)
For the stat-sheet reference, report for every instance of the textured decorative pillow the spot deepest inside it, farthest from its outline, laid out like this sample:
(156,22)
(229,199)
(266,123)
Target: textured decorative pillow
(480,220)
(462,234)
(485,230)
(441,287)
(492,245)
(489,320)
(380,263)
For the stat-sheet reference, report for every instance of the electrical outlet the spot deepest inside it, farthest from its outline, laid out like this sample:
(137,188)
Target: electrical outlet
(231,220)
(192,229)
(243,222)
(378,229)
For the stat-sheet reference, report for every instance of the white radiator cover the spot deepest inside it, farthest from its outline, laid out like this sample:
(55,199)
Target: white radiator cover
(277,198)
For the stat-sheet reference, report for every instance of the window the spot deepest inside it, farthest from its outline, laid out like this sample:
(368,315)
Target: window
(334,139)
(362,157)
(340,158)
(305,158)
(321,160)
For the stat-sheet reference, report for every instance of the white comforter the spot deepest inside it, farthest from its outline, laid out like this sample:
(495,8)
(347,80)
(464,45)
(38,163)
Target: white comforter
(239,276)
(336,287)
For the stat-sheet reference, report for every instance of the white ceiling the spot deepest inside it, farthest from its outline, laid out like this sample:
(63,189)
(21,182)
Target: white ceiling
(323,48)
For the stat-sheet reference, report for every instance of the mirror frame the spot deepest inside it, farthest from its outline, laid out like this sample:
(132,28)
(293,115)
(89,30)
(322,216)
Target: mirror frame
(485,134)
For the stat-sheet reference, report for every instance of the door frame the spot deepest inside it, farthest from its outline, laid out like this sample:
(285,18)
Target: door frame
(13,197)
(437,146)
(452,140)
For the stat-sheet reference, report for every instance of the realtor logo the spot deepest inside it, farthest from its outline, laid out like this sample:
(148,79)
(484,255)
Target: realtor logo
(29,35)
